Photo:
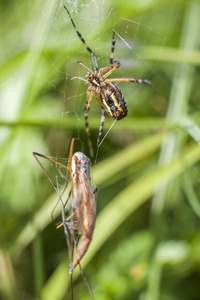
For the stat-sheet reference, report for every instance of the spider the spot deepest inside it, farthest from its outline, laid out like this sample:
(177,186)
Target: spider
(105,90)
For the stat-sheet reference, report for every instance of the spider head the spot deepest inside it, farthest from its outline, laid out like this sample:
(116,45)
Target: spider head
(93,79)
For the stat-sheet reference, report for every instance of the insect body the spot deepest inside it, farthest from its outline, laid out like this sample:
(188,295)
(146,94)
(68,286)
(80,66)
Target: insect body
(83,202)
(84,205)
(105,90)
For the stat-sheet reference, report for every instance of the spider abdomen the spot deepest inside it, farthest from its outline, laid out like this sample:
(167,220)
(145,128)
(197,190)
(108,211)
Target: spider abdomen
(113,101)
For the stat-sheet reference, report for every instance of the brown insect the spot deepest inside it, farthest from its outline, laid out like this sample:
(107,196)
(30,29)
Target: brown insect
(105,90)
(82,219)
(83,203)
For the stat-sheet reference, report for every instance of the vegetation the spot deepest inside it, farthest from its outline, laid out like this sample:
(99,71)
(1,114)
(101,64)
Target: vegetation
(146,243)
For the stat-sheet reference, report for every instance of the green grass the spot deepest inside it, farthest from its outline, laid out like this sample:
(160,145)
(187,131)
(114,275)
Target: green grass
(146,241)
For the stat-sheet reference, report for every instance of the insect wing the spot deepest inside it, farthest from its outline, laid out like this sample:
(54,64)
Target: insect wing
(80,208)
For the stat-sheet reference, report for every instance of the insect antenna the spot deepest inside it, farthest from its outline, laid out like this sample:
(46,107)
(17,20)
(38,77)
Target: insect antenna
(86,282)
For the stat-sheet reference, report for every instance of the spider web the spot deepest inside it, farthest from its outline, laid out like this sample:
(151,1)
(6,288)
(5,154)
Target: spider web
(64,100)
(41,110)
(36,94)
(91,19)
(45,108)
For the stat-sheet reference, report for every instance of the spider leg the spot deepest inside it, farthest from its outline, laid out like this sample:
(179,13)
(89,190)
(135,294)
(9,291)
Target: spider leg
(78,77)
(145,81)
(83,65)
(112,49)
(112,69)
(94,59)
(86,110)
(106,69)
(101,126)
(88,135)
(88,100)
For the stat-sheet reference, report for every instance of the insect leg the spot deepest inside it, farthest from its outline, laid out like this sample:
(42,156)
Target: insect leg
(86,282)
(35,154)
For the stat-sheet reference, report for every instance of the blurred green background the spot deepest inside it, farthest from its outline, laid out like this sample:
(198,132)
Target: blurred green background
(146,243)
